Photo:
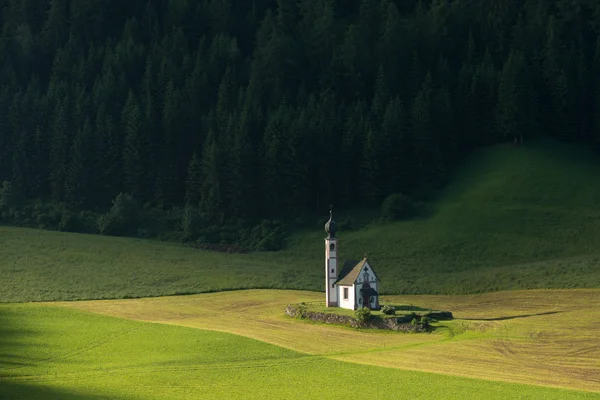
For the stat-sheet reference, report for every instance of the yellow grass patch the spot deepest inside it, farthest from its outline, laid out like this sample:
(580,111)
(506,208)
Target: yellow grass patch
(544,337)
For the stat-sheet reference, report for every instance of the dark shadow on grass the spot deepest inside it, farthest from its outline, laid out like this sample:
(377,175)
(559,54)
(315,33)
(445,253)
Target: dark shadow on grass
(410,308)
(17,361)
(12,335)
(20,391)
(511,317)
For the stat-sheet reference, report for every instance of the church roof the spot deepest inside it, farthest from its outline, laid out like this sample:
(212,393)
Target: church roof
(350,272)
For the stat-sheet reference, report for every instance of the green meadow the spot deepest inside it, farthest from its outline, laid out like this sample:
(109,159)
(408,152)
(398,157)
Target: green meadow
(511,218)
(53,352)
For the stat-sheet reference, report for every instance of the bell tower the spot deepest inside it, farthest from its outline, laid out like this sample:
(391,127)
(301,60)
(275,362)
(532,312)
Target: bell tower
(331,262)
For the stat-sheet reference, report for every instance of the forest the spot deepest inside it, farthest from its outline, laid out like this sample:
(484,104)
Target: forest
(116,116)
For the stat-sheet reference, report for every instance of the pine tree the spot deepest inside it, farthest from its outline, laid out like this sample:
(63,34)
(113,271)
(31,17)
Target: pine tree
(428,156)
(275,170)
(6,140)
(514,112)
(350,60)
(240,176)
(381,96)
(371,171)
(193,191)
(596,114)
(394,155)
(135,151)
(59,150)
(351,149)
(211,202)
(79,182)
(56,27)
(167,189)
(482,98)
(23,156)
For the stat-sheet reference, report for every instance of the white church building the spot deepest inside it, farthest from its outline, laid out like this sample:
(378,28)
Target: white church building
(356,285)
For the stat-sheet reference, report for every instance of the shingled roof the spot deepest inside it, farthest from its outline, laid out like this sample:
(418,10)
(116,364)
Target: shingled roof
(350,272)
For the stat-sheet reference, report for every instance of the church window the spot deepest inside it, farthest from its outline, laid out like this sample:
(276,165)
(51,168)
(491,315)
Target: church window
(332,270)
(345,293)
(332,247)
(333,285)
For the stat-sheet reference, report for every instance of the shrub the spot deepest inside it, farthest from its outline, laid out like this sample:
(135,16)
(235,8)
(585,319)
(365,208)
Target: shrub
(8,196)
(68,222)
(362,315)
(396,206)
(388,310)
(122,218)
(267,236)
(301,311)
(190,223)
(47,215)
(425,321)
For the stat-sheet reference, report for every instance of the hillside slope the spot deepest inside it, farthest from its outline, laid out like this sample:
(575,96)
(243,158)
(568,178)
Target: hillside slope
(513,218)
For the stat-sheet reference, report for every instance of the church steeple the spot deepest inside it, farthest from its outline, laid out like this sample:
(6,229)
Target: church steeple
(330,226)
(331,252)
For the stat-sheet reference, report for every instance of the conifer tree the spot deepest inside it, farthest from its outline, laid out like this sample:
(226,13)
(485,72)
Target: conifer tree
(78,180)
(514,111)
(59,151)
(193,191)
(482,99)
(240,179)
(56,28)
(428,157)
(135,151)
(212,202)
(351,148)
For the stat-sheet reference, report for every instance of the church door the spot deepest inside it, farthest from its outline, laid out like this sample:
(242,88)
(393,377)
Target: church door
(366,301)
(366,297)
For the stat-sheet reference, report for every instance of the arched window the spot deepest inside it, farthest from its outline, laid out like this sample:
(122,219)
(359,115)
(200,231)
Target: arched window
(332,247)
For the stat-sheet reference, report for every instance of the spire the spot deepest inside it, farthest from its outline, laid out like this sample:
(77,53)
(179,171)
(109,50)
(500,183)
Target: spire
(330,226)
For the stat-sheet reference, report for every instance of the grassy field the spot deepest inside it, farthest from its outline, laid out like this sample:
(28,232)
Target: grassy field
(50,352)
(542,337)
(513,218)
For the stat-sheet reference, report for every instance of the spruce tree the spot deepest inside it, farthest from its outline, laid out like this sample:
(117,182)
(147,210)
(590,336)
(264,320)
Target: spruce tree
(59,150)
(427,151)
(135,151)
(193,191)
(79,182)
(212,202)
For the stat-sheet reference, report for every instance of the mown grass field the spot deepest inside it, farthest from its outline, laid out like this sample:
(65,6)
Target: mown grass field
(532,337)
(49,352)
(512,218)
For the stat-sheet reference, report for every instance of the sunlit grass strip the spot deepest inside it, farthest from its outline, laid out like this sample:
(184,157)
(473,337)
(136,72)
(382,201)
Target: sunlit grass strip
(546,337)
(68,354)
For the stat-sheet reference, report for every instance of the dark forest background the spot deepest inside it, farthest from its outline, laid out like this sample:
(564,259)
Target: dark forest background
(142,117)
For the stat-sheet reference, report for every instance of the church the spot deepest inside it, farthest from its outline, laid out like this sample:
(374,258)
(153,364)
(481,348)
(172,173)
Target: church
(356,285)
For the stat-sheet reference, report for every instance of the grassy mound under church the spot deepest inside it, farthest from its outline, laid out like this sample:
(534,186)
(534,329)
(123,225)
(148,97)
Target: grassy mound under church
(512,218)
(388,317)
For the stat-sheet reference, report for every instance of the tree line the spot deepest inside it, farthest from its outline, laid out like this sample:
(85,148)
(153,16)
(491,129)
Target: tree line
(244,110)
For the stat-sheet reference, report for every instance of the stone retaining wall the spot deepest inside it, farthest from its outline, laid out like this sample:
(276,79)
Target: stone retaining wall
(375,323)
